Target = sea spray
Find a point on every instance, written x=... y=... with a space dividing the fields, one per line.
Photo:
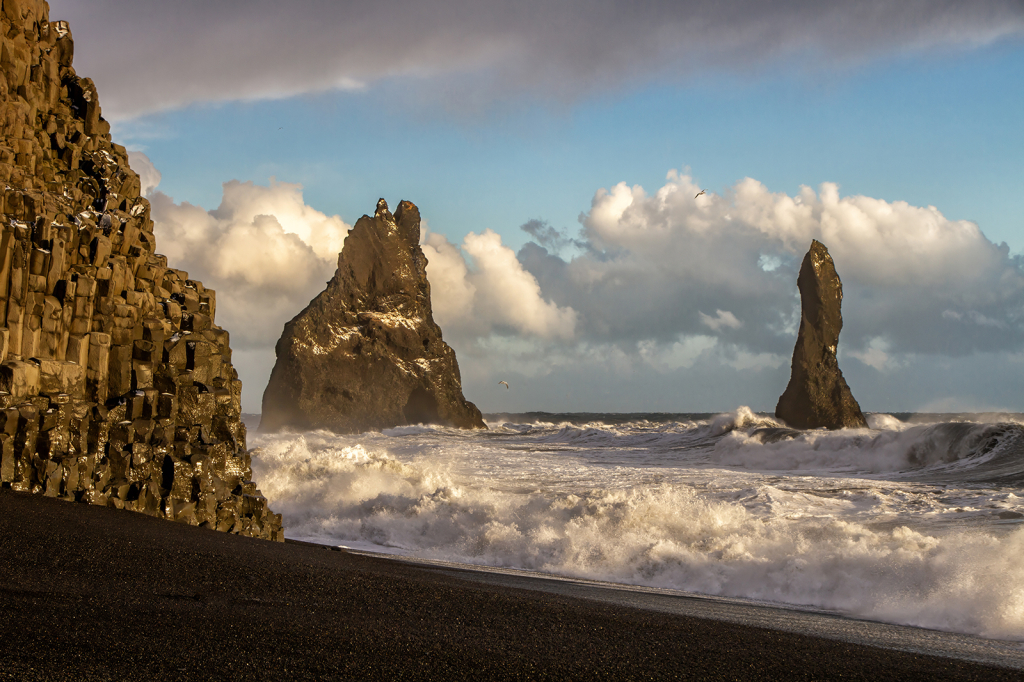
x=683 y=504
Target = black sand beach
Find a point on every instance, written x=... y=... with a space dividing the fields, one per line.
x=93 y=593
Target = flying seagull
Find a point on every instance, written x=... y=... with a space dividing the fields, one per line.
x=504 y=382
x=700 y=192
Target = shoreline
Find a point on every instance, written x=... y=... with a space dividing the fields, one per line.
x=778 y=616
x=96 y=593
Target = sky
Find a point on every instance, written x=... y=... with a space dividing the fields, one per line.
x=555 y=151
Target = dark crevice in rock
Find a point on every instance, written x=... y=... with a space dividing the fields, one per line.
x=421 y=407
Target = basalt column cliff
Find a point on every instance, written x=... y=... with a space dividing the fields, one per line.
x=116 y=385
x=817 y=394
x=365 y=354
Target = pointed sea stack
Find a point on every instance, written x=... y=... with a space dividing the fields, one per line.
x=366 y=354
x=817 y=394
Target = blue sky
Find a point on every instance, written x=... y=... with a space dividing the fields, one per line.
x=490 y=118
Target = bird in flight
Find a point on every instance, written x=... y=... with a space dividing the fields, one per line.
x=700 y=192
x=504 y=382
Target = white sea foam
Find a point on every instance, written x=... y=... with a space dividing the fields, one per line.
x=659 y=504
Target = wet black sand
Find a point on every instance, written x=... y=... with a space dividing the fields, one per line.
x=89 y=593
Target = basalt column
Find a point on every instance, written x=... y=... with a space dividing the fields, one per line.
x=116 y=384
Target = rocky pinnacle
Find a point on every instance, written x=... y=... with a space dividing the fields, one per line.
x=817 y=394
x=366 y=354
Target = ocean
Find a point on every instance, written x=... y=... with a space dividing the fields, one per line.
x=917 y=520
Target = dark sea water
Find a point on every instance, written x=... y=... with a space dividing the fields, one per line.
x=918 y=520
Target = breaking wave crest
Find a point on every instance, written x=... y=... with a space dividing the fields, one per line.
x=953 y=451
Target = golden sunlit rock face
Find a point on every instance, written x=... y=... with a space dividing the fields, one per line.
x=116 y=384
x=366 y=354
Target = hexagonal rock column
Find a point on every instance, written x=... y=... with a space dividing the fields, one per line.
x=116 y=384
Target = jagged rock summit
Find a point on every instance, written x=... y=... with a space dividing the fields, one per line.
x=817 y=394
x=116 y=385
x=366 y=354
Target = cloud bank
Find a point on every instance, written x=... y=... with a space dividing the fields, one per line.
x=677 y=299
x=264 y=251
x=658 y=291
x=727 y=265
x=473 y=53
x=496 y=296
x=267 y=254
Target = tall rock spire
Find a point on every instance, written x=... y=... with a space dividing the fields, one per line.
x=817 y=394
x=366 y=354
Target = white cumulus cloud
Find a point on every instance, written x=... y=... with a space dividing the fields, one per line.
x=875 y=354
x=627 y=321
x=655 y=262
x=264 y=251
x=722 y=318
x=495 y=293
x=148 y=174
x=267 y=254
